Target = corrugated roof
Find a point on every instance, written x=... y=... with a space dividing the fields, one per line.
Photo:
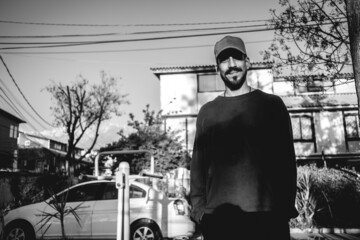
x=339 y=76
x=324 y=100
x=201 y=68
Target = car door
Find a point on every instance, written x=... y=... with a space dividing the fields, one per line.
x=104 y=220
x=82 y=199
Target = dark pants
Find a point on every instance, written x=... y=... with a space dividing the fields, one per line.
x=248 y=226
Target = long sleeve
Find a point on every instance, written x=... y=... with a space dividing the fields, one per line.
x=198 y=176
x=287 y=160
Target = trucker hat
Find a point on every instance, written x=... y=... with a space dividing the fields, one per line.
x=229 y=42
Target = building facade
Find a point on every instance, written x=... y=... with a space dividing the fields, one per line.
x=40 y=154
x=9 y=131
x=324 y=112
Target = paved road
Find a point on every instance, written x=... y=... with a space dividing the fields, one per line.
x=324 y=236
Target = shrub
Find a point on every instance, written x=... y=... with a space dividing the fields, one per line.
x=30 y=189
x=327 y=198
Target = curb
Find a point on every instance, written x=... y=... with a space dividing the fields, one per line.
x=326 y=230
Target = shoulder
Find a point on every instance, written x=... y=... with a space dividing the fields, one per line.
x=271 y=102
x=209 y=106
x=271 y=98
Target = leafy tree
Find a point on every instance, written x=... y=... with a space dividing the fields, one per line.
x=311 y=36
x=149 y=134
x=79 y=108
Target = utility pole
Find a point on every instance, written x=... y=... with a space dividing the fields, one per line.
x=353 y=18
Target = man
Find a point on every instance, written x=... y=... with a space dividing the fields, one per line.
x=243 y=170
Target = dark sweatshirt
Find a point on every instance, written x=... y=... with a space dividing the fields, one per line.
x=244 y=155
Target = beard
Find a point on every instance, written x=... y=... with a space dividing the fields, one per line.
x=235 y=84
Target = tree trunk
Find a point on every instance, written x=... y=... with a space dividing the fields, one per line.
x=353 y=12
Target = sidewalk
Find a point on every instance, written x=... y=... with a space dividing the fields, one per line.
x=310 y=236
x=326 y=233
x=324 y=236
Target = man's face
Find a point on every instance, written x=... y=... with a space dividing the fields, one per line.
x=233 y=66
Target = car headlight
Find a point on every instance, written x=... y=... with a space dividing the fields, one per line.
x=179 y=207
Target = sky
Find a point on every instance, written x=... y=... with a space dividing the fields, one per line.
x=130 y=61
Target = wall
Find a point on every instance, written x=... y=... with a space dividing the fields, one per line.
x=7 y=144
x=178 y=94
x=329 y=129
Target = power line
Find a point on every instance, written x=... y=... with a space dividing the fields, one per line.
x=17 y=86
x=128 y=25
x=127 y=50
x=138 y=33
x=11 y=104
x=134 y=40
x=117 y=34
x=19 y=104
x=24 y=118
x=83 y=43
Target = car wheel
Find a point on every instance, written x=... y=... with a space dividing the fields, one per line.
x=19 y=231
x=143 y=230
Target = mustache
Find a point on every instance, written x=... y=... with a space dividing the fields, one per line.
x=230 y=69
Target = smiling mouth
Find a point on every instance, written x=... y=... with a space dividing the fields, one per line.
x=233 y=71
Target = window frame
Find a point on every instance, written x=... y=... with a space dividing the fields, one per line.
x=308 y=116
x=217 y=79
x=347 y=137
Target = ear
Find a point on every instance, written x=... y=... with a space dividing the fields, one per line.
x=248 y=64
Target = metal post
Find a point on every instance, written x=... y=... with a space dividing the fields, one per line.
x=96 y=163
x=123 y=217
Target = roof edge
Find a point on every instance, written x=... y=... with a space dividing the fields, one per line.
x=202 y=68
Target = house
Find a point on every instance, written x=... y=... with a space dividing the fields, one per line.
x=324 y=112
x=39 y=154
x=9 y=130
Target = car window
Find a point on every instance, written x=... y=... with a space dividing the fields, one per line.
x=83 y=193
x=136 y=192
x=111 y=192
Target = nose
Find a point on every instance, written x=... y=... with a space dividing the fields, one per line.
x=231 y=61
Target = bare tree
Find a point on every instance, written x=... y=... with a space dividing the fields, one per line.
x=317 y=36
x=79 y=108
x=311 y=36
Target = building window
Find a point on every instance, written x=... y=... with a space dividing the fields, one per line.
x=14 y=131
x=57 y=146
x=210 y=83
x=352 y=126
x=11 y=131
x=314 y=85
x=303 y=129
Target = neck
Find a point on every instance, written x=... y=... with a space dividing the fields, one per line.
x=232 y=93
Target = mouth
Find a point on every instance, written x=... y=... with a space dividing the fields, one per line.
x=233 y=71
x=233 y=74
